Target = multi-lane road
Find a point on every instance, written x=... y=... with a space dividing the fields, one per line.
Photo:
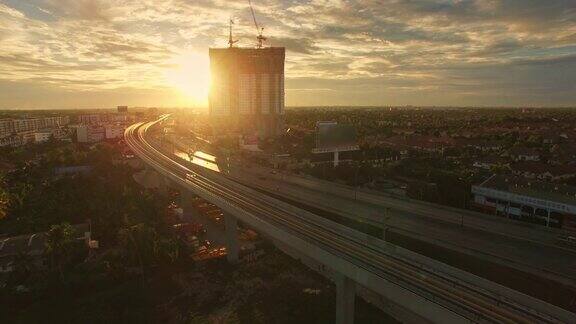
x=520 y=245
x=428 y=288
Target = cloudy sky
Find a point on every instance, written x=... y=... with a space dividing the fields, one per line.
x=103 y=53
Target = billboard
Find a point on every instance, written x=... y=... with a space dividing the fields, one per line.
x=331 y=137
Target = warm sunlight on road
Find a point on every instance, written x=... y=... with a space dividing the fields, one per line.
x=189 y=73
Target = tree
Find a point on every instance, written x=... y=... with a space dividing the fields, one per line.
x=167 y=250
x=24 y=266
x=59 y=242
x=132 y=241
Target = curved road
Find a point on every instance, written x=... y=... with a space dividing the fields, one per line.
x=449 y=296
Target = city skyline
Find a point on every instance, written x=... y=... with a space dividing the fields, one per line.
x=90 y=54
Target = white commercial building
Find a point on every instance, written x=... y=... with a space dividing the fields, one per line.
x=114 y=131
x=41 y=137
x=548 y=204
x=90 y=134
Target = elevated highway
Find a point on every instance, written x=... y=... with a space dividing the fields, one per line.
x=477 y=238
x=427 y=289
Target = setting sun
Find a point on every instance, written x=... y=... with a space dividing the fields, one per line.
x=190 y=75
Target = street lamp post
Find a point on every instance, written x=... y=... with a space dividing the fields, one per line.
x=385 y=220
x=356 y=183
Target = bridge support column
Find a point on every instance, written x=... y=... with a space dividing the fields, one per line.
x=232 y=247
x=336 y=158
x=188 y=210
x=164 y=185
x=345 y=295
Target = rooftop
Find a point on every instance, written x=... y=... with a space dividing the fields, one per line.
x=535 y=189
x=542 y=168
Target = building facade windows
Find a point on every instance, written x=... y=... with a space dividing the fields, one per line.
x=247 y=94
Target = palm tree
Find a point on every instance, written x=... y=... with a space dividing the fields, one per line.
x=137 y=243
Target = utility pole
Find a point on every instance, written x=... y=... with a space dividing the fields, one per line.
x=356 y=182
x=385 y=220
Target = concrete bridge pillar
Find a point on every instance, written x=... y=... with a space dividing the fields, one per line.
x=345 y=297
x=164 y=185
x=188 y=210
x=232 y=247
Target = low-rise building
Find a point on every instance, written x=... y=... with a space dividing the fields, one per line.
x=16 y=132
x=524 y=154
x=60 y=133
x=30 y=124
x=28 y=137
x=484 y=145
x=89 y=119
x=90 y=133
x=41 y=137
x=114 y=131
x=13 y=140
x=6 y=127
x=490 y=162
x=543 y=171
x=543 y=203
x=103 y=118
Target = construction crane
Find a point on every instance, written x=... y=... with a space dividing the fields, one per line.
x=231 y=41
x=259 y=29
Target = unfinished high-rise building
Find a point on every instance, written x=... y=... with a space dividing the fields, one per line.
x=247 y=92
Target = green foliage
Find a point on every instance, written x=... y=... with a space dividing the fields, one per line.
x=438 y=181
x=107 y=195
x=125 y=219
x=4 y=197
x=351 y=174
x=142 y=246
x=59 y=239
x=59 y=246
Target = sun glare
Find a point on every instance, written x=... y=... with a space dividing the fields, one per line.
x=190 y=75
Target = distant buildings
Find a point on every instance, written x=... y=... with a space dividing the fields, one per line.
x=16 y=132
x=96 y=127
x=6 y=127
x=247 y=94
x=114 y=131
x=90 y=133
x=543 y=171
x=524 y=154
x=104 y=118
x=490 y=162
x=41 y=137
x=91 y=119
